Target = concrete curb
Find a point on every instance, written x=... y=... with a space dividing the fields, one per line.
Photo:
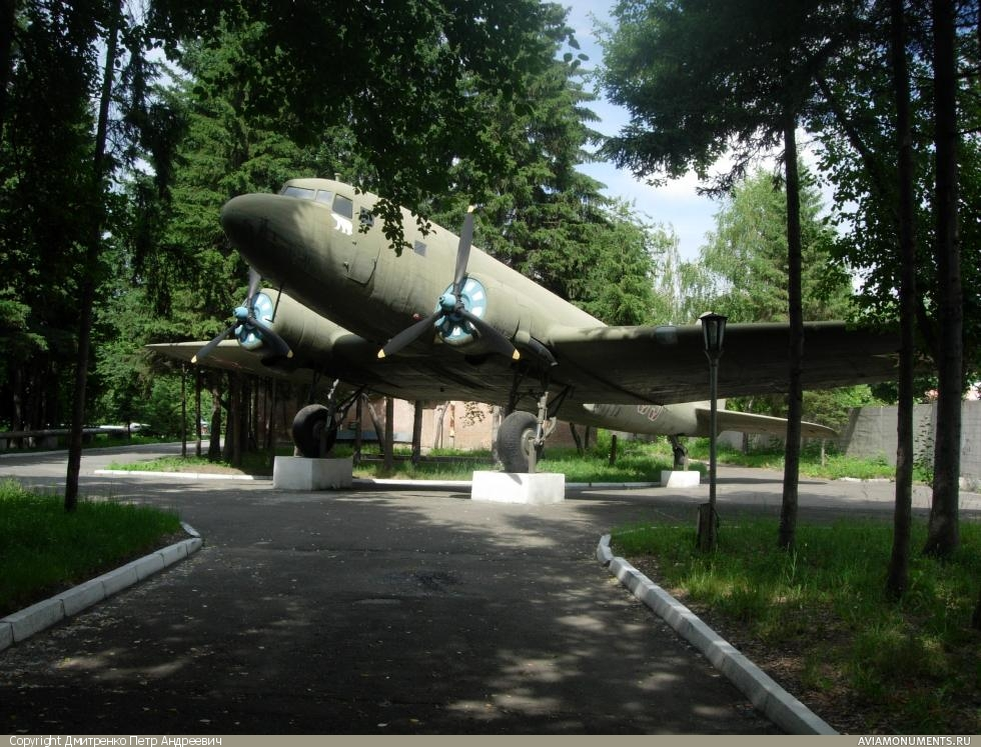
x=21 y=625
x=763 y=692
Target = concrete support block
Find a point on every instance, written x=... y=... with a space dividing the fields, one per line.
x=301 y=473
x=6 y=635
x=672 y=478
x=518 y=487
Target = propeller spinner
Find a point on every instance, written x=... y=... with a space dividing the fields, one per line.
x=455 y=311
x=250 y=324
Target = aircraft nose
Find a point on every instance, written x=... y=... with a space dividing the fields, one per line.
x=262 y=227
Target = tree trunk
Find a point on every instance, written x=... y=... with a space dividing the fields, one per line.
x=183 y=412
x=795 y=396
x=214 y=442
x=197 y=411
x=389 y=463
x=8 y=19
x=897 y=577
x=417 y=433
x=89 y=271
x=943 y=531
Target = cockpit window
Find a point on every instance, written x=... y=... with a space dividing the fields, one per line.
x=344 y=207
x=325 y=196
x=301 y=192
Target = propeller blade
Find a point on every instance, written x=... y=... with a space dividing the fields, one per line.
x=491 y=336
x=209 y=348
x=254 y=279
x=409 y=335
x=463 y=252
x=276 y=343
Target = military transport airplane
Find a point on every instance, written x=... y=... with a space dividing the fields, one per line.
x=445 y=321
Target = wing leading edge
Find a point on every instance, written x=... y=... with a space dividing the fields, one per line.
x=667 y=365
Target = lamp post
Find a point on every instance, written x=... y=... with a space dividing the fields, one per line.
x=713 y=332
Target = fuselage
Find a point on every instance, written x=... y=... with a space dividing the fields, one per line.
x=317 y=239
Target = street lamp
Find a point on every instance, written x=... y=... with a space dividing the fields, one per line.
x=713 y=332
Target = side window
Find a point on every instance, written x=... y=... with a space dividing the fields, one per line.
x=325 y=196
x=419 y=248
x=366 y=218
x=301 y=192
x=344 y=207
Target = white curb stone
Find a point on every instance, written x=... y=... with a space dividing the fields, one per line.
x=25 y=623
x=37 y=617
x=82 y=596
x=764 y=693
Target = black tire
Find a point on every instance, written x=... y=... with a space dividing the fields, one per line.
x=308 y=431
x=515 y=440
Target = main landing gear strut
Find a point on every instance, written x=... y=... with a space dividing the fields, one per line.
x=521 y=437
x=680 y=453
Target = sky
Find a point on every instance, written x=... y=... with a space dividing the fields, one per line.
x=677 y=203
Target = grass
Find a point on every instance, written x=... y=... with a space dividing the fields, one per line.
x=636 y=462
x=43 y=549
x=820 y=615
x=830 y=466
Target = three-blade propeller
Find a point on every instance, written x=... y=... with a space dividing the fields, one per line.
x=247 y=321
x=451 y=309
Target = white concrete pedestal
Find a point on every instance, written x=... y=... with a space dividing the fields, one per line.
x=679 y=478
x=302 y=473
x=518 y=487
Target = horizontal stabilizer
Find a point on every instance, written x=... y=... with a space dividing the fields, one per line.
x=747 y=422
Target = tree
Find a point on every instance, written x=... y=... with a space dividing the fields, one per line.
x=897 y=576
x=743 y=264
x=942 y=533
x=703 y=78
x=859 y=132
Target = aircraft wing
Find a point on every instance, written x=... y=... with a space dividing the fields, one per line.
x=667 y=365
x=614 y=365
x=230 y=356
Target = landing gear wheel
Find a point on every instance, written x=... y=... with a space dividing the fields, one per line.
x=516 y=440
x=311 y=433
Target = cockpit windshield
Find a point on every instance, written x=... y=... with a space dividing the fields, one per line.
x=342 y=207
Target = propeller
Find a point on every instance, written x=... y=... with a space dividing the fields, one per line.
x=451 y=309
x=248 y=321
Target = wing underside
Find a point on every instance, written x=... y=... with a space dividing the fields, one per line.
x=662 y=365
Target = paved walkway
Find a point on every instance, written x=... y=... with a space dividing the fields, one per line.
x=377 y=611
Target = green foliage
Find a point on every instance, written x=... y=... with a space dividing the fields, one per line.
x=745 y=257
x=702 y=80
x=910 y=667
x=43 y=549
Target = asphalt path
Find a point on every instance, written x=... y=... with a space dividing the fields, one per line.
x=386 y=611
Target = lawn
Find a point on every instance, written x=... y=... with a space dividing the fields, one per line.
x=636 y=461
x=43 y=549
x=818 y=619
